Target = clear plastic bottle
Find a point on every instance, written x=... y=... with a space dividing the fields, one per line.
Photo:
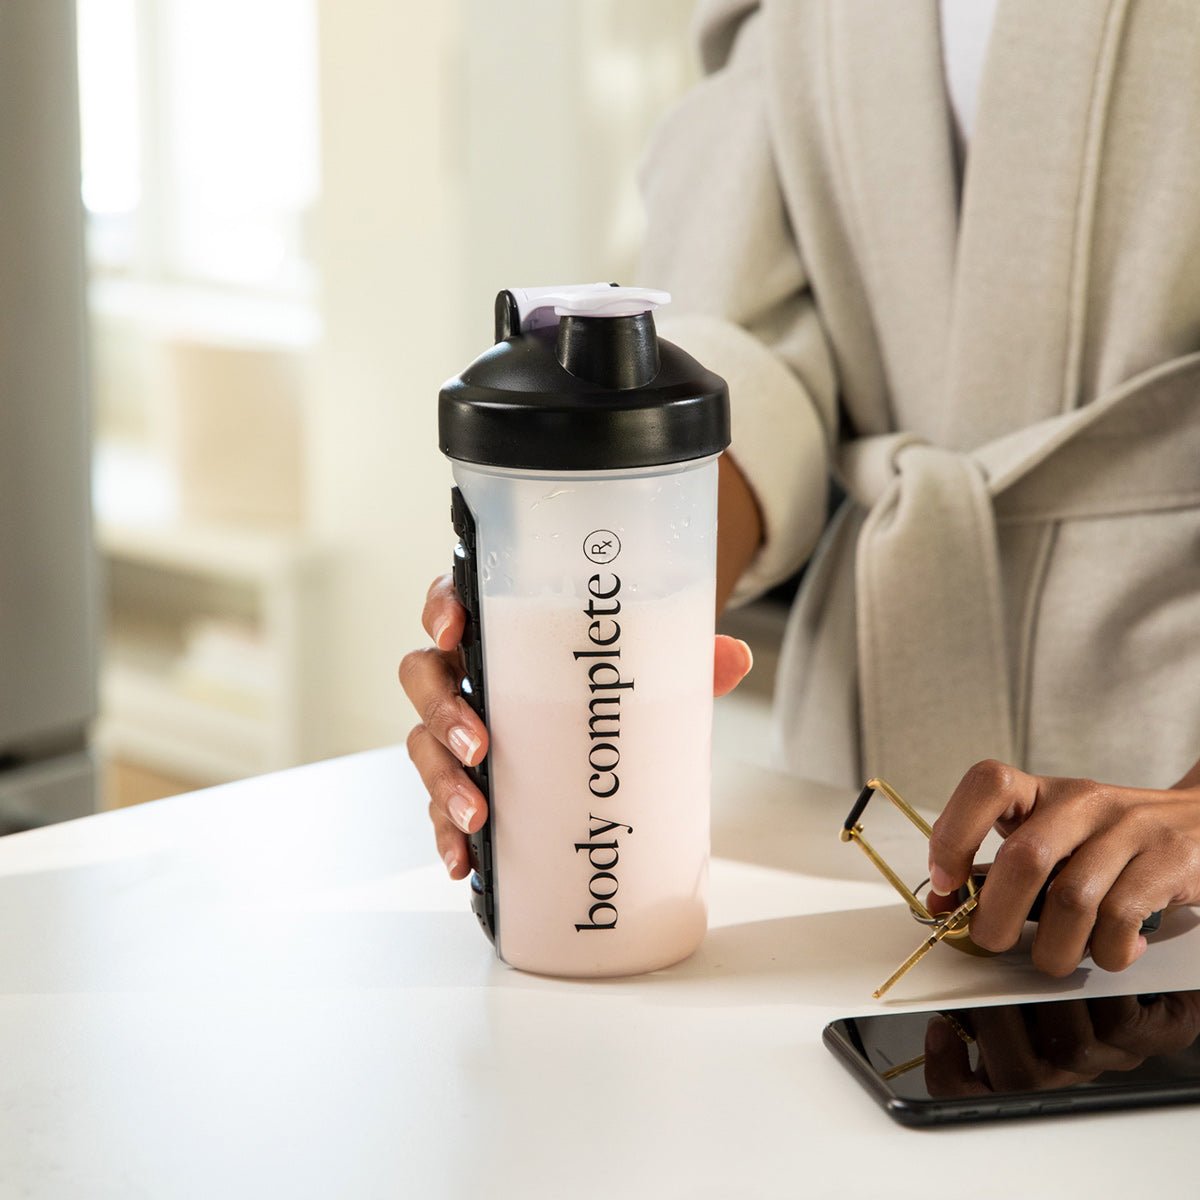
x=585 y=457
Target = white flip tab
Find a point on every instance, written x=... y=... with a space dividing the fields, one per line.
x=539 y=307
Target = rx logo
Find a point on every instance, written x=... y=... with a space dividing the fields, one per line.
x=602 y=545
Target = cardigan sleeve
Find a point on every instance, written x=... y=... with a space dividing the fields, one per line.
x=719 y=239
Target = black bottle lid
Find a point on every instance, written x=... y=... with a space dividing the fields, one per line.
x=579 y=380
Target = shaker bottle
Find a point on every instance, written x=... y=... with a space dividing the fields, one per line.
x=584 y=451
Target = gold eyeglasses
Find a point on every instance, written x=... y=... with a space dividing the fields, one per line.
x=952 y=926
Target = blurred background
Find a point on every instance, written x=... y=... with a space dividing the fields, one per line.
x=296 y=216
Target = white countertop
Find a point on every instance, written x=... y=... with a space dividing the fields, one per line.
x=271 y=989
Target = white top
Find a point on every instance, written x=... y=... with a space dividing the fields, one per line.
x=966 y=28
x=542 y=306
x=272 y=989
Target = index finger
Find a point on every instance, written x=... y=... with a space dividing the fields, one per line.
x=989 y=791
x=443 y=615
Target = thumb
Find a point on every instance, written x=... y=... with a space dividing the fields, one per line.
x=732 y=661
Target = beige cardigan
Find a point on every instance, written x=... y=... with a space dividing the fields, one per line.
x=1009 y=391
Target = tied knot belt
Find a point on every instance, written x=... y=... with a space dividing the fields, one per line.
x=934 y=669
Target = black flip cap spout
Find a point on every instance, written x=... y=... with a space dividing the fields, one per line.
x=610 y=352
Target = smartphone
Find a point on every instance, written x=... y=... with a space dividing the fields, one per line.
x=946 y=1066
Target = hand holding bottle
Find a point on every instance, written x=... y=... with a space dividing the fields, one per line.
x=450 y=736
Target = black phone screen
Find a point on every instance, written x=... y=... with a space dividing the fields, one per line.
x=959 y=1064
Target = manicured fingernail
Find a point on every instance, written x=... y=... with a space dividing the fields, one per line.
x=749 y=655
x=1142 y=944
x=451 y=861
x=939 y=881
x=462 y=810
x=464 y=744
x=443 y=625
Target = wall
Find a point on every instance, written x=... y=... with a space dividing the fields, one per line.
x=466 y=146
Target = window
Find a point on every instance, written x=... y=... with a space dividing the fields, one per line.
x=200 y=140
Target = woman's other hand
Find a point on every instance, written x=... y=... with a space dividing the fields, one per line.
x=1125 y=853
